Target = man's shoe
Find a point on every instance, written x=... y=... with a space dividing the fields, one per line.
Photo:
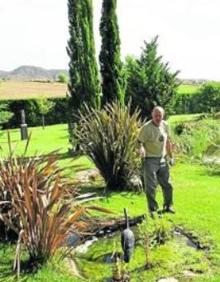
x=169 y=210
x=152 y=214
x=155 y=214
x=160 y=212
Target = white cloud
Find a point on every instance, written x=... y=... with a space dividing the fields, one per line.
x=35 y=32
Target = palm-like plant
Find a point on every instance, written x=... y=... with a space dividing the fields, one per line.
x=37 y=192
x=109 y=138
x=38 y=208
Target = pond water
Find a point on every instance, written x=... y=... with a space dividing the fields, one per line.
x=97 y=256
x=113 y=240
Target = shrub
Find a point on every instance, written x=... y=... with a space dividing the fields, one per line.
x=37 y=194
x=184 y=103
x=63 y=78
x=209 y=97
x=109 y=138
x=205 y=100
x=145 y=234
x=195 y=137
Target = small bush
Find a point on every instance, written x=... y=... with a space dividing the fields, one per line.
x=145 y=235
x=63 y=78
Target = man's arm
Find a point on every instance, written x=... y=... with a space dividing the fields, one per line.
x=169 y=148
x=141 y=149
x=169 y=151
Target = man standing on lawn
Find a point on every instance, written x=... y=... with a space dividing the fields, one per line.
x=155 y=148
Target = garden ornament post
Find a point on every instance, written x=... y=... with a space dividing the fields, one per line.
x=24 y=130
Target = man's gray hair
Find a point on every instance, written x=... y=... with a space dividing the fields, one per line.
x=159 y=109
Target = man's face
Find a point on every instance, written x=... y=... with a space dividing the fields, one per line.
x=157 y=117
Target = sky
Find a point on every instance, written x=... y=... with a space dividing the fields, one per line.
x=35 y=32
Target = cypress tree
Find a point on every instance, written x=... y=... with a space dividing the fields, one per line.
x=83 y=84
x=110 y=62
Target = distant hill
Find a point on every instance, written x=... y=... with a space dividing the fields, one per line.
x=28 y=73
x=193 y=81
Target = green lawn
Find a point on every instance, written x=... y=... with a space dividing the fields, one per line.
x=43 y=141
x=197 y=198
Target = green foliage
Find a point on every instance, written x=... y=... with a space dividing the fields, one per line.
x=44 y=106
x=194 y=138
x=208 y=99
x=149 y=81
x=84 y=84
x=63 y=78
x=144 y=232
x=153 y=233
x=205 y=99
x=184 y=103
x=109 y=138
x=162 y=231
x=5 y=114
x=110 y=62
x=58 y=113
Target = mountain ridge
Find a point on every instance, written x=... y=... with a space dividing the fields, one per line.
x=28 y=72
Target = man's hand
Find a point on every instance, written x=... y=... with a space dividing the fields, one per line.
x=171 y=162
x=142 y=152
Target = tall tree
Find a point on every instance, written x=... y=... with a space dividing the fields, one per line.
x=84 y=86
x=149 y=80
x=110 y=62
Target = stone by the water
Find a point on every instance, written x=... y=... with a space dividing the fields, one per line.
x=168 y=279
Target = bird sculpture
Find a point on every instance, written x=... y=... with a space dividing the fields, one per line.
x=127 y=239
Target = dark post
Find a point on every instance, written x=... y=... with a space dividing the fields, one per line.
x=24 y=131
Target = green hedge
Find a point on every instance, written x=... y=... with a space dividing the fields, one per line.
x=59 y=114
x=206 y=100
x=184 y=103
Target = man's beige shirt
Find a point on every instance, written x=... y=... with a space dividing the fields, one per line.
x=154 y=138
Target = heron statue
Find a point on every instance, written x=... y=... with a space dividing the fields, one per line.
x=127 y=239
